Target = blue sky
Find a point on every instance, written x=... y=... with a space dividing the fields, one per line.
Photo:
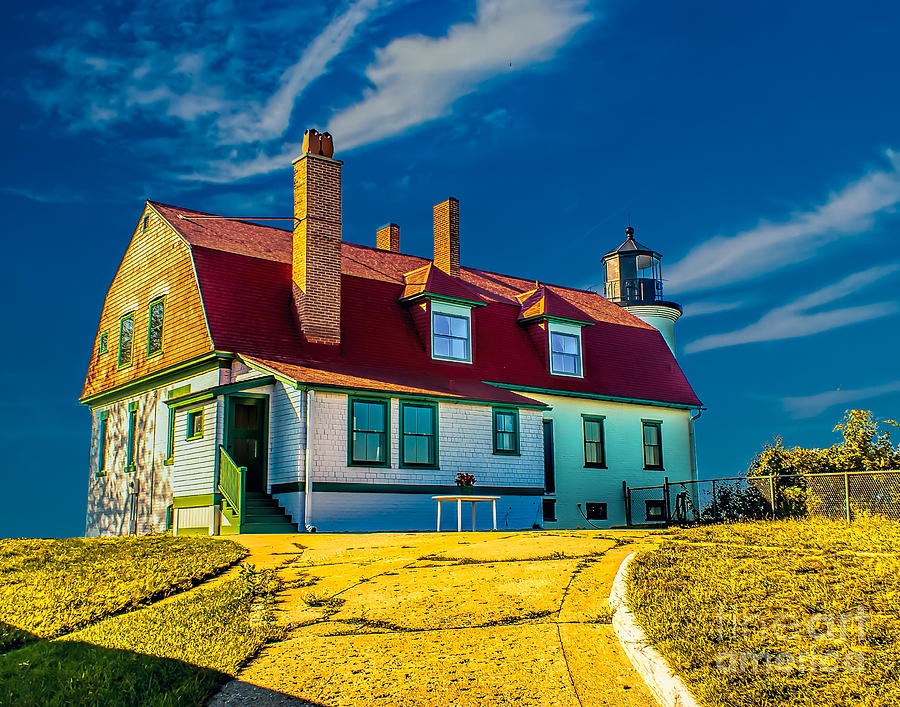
x=755 y=145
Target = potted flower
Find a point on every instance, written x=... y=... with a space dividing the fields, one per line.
x=466 y=482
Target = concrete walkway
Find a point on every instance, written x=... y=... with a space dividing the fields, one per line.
x=443 y=619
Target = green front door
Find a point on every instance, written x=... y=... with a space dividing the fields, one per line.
x=246 y=436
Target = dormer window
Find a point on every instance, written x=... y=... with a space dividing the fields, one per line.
x=565 y=349
x=451 y=332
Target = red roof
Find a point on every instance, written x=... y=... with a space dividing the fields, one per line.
x=431 y=280
x=244 y=274
x=544 y=302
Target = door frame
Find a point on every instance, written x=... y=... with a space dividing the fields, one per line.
x=264 y=428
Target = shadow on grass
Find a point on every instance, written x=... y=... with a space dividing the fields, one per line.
x=62 y=672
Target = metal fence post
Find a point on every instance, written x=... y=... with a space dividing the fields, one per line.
x=715 y=507
x=772 y=493
x=627 y=503
x=847 y=496
x=666 y=499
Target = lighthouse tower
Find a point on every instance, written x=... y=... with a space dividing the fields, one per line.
x=633 y=280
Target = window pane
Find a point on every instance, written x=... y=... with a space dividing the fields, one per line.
x=591 y=431
x=592 y=453
x=564 y=343
x=506 y=441
x=565 y=363
x=651 y=434
x=374 y=447
x=651 y=456
x=441 y=324
x=459 y=327
x=425 y=417
x=458 y=348
x=505 y=422
x=441 y=346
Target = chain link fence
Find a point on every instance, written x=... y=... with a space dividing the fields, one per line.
x=837 y=495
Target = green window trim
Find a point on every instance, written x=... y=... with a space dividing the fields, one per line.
x=503 y=419
x=102 y=442
x=125 y=362
x=161 y=303
x=170 y=439
x=653 y=450
x=416 y=435
x=104 y=342
x=132 y=435
x=370 y=435
x=193 y=430
x=594 y=436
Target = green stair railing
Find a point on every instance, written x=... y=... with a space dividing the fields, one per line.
x=231 y=481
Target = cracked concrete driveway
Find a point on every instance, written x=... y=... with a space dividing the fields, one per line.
x=443 y=619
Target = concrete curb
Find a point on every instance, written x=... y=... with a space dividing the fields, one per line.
x=668 y=688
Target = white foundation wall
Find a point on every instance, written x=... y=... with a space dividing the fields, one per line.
x=372 y=512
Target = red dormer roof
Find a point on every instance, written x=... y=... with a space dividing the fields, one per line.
x=544 y=302
x=244 y=274
x=430 y=280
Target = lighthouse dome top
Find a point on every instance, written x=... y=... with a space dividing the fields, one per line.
x=630 y=245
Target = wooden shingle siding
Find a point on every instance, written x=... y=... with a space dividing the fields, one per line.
x=287 y=435
x=157 y=263
x=108 y=509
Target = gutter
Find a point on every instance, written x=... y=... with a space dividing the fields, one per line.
x=307 y=486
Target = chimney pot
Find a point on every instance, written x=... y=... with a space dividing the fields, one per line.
x=388 y=237
x=446 y=236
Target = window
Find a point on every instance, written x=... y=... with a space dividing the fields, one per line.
x=145 y=223
x=104 y=342
x=194 y=426
x=594 y=448
x=170 y=440
x=368 y=432
x=596 y=511
x=418 y=436
x=126 y=340
x=132 y=434
x=652 y=444
x=565 y=349
x=549 y=505
x=451 y=329
x=155 y=327
x=102 y=443
x=655 y=509
x=506 y=431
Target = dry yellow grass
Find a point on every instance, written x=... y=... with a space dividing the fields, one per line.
x=461 y=619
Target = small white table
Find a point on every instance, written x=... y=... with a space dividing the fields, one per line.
x=459 y=501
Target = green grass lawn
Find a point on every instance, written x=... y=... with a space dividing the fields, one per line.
x=51 y=587
x=175 y=652
x=92 y=621
x=799 y=603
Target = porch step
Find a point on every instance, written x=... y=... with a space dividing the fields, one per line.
x=262 y=514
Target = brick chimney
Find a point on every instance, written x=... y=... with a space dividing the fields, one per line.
x=388 y=237
x=446 y=236
x=316 y=262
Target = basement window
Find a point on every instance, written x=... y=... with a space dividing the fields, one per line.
x=655 y=509
x=565 y=350
x=549 y=507
x=451 y=332
x=596 y=511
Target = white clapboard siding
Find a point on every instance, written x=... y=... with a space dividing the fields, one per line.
x=287 y=435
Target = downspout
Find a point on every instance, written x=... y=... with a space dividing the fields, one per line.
x=692 y=443
x=307 y=485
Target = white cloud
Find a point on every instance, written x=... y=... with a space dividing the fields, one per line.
x=796 y=319
x=705 y=307
x=722 y=260
x=416 y=79
x=811 y=405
